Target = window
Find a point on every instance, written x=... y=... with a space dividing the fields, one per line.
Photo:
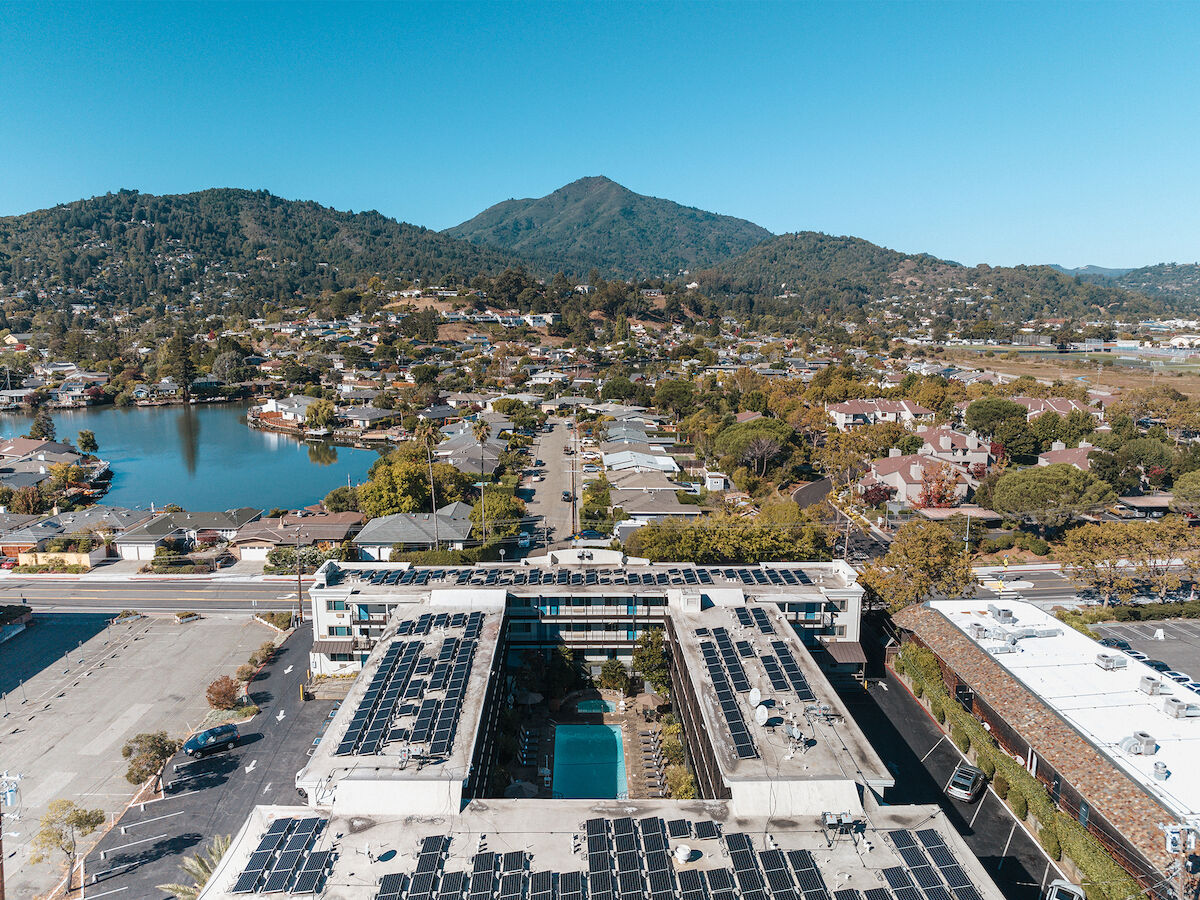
x=1085 y=812
x=339 y=631
x=340 y=657
x=335 y=605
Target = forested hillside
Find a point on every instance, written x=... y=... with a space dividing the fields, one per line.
x=133 y=246
x=597 y=223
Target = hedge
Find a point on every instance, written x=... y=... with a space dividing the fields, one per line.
x=1103 y=877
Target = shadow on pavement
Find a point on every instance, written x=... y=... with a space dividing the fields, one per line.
x=47 y=638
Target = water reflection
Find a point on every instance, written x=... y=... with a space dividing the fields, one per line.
x=189 y=437
x=322 y=453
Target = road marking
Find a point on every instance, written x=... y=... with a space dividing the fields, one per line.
x=934 y=747
x=883 y=685
x=104 y=853
x=288 y=670
x=267 y=788
x=250 y=768
x=142 y=806
x=978 y=809
x=107 y=893
x=280 y=717
x=1045 y=875
x=125 y=828
x=1006 y=845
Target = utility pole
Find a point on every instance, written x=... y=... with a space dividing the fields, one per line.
x=299 y=587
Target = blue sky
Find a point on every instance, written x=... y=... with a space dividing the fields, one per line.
x=982 y=133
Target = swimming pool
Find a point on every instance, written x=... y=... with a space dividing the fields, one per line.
x=589 y=762
x=595 y=706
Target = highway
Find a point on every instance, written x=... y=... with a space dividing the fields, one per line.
x=84 y=595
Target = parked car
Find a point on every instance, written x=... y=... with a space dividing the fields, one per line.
x=1136 y=655
x=1178 y=677
x=7 y=563
x=966 y=783
x=566 y=495
x=211 y=740
x=537 y=463
x=590 y=535
x=1113 y=642
x=1157 y=665
x=523 y=539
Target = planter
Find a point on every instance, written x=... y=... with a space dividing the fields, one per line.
x=180 y=618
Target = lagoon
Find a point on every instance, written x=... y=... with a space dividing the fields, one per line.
x=204 y=457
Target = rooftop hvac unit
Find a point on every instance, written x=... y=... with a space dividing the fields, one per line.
x=1161 y=772
x=978 y=631
x=1047 y=631
x=1002 y=648
x=1178 y=708
x=1111 y=661
x=1140 y=743
x=1149 y=685
x=1004 y=616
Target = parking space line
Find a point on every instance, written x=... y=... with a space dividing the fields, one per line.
x=978 y=810
x=104 y=853
x=934 y=747
x=107 y=893
x=125 y=828
x=1007 y=844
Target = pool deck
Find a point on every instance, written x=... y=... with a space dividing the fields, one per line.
x=637 y=776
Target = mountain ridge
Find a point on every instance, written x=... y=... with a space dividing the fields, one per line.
x=594 y=222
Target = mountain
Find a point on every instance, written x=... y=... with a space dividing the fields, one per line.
x=818 y=270
x=1178 y=282
x=596 y=223
x=250 y=243
x=1091 y=271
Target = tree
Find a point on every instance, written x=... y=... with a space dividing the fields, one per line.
x=924 y=559
x=1160 y=545
x=1098 y=556
x=341 y=499
x=400 y=484
x=1186 y=498
x=87 y=442
x=61 y=827
x=1015 y=438
x=228 y=366
x=320 y=414
x=223 y=693
x=177 y=361
x=760 y=451
x=426 y=438
x=147 y=753
x=614 y=676
x=42 y=428
x=199 y=867
x=984 y=414
x=1050 y=495
x=938 y=483
x=482 y=431
x=650 y=661
x=507 y=512
x=675 y=395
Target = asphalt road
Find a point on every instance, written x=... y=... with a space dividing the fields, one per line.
x=922 y=760
x=85 y=596
x=546 y=499
x=213 y=796
x=813 y=492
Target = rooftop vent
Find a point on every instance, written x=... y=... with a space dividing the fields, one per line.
x=1111 y=661
x=1003 y=616
x=1150 y=685
x=1178 y=708
x=1140 y=743
x=1161 y=772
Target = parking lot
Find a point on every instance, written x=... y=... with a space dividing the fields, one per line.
x=213 y=795
x=64 y=727
x=1179 y=647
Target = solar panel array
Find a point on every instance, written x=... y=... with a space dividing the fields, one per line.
x=492 y=576
x=933 y=867
x=284 y=860
x=396 y=693
x=742 y=742
x=630 y=859
x=791 y=669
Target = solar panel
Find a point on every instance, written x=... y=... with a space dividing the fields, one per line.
x=541 y=886
x=679 y=828
x=720 y=880
x=390 y=887
x=847 y=894
x=312 y=876
x=513 y=861
x=706 y=830
x=878 y=894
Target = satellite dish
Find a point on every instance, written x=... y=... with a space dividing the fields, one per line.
x=760 y=715
x=755 y=696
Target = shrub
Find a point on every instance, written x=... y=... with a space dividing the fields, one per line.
x=1048 y=835
x=1000 y=786
x=939 y=713
x=147 y=753
x=1020 y=806
x=223 y=693
x=918 y=689
x=961 y=741
x=245 y=672
x=986 y=766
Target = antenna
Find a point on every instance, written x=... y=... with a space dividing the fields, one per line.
x=760 y=715
x=755 y=696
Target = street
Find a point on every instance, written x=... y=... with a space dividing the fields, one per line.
x=214 y=795
x=93 y=596
x=545 y=499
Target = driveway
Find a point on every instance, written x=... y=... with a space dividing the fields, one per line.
x=922 y=760
x=214 y=795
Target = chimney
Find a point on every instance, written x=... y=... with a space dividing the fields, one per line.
x=944 y=441
x=1058 y=445
x=894 y=452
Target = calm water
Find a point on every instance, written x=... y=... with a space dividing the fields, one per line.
x=589 y=762
x=204 y=457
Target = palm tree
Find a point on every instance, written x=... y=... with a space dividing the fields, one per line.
x=482 y=431
x=425 y=437
x=200 y=868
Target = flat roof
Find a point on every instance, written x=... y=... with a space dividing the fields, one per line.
x=545 y=840
x=421 y=647
x=1104 y=706
x=831 y=746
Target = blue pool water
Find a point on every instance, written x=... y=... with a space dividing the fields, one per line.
x=589 y=762
x=595 y=706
